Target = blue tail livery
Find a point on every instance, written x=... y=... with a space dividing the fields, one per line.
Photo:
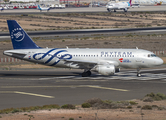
x=19 y=37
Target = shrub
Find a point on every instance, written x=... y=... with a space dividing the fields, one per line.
x=138 y=106
x=133 y=103
x=148 y=99
x=129 y=35
x=129 y=107
x=157 y=97
x=68 y=106
x=52 y=106
x=71 y=118
x=147 y=107
x=155 y=106
x=15 y=110
x=108 y=101
x=162 y=96
x=94 y=101
x=161 y=108
x=86 y=105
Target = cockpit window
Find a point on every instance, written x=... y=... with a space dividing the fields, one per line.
x=152 y=55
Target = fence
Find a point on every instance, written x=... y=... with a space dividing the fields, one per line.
x=6 y=60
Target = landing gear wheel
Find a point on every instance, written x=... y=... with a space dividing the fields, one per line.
x=139 y=75
x=138 y=72
x=86 y=74
x=89 y=73
x=114 y=10
x=108 y=10
x=125 y=10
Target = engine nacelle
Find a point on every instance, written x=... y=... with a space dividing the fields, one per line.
x=106 y=69
x=117 y=70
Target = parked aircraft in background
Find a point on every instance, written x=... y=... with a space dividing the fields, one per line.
x=104 y=61
x=1 y=8
x=43 y=8
x=119 y=6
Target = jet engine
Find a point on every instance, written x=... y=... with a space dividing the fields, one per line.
x=106 y=69
x=117 y=70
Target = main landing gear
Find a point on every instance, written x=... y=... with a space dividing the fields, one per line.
x=138 y=72
x=86 y=73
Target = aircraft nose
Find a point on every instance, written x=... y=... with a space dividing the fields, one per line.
x=159 y=61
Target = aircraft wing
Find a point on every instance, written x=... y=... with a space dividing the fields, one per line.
x=90 y=64
x=81 y=63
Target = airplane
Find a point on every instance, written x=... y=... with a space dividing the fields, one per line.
x=119 y=6
x=1 y=8
x=43 y=8
x=104 y=61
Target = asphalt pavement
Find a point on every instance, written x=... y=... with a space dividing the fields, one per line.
x=35 y=87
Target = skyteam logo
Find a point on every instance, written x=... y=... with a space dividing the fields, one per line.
x=124 y=60
x=52 y=56
x=17 y=34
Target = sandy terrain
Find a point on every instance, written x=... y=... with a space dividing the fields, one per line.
x=64 y=21
x=135 y=113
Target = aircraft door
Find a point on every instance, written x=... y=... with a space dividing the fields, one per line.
x=138 y=59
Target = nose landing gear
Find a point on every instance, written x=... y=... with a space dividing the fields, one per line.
x=138 y=72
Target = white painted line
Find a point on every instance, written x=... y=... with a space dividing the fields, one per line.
x=25 y=93
x=38 y=95
x=109 y=88
x=71 y=86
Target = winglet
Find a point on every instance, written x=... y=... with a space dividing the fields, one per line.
x=19 y=37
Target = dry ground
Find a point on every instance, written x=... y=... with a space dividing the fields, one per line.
x=57 y=21
x=79 y=113
x=152 y=42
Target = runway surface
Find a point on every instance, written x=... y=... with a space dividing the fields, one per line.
x=24 y=88
x=81 y=10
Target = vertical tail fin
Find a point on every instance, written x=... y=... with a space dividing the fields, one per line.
x=130 y=2
x=19 y=37
x=39 y=7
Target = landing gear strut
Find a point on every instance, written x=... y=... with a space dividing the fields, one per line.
x=138 y=72
x=86 y=73
x=108 y=10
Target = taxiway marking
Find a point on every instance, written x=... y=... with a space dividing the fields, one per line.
x=25 y=93
x=109 y=88
x=71 y=86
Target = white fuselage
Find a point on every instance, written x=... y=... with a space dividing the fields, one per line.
x=44 y=8
x=73 y=57
x=1 y=8
x=118 y=6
